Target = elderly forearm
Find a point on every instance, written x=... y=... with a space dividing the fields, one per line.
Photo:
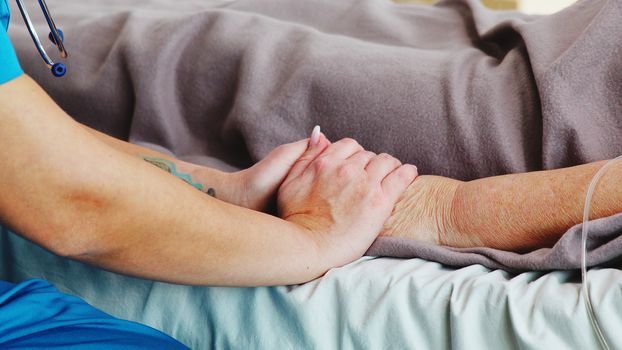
x=532 y=210
x=75 y=195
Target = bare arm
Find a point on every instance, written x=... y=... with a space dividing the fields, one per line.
x=73 y=194
x=254 y=188
x=516 y=212
x=209 y=178
x=532 y=210
x=77 y=196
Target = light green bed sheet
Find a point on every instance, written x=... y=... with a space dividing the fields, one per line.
x=373 y=303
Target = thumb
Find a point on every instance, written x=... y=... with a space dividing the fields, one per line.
x=313 y=150
x=282 y=158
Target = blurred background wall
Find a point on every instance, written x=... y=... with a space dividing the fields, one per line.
x=543 y=6
x=527 y=6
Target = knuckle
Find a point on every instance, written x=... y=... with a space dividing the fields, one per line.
x=389 y=158
x=406 y=172
x=403 y=174
x=384 y=156
x=349 y=142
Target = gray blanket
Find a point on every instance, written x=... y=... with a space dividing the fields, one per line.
x=458 y=90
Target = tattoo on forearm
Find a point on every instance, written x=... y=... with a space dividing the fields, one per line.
x=170 y=168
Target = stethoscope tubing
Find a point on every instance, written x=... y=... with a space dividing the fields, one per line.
x=55 y=35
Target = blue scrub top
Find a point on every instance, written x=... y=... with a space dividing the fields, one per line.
x=9 y=66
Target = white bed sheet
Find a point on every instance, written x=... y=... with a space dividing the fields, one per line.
x=373 y=303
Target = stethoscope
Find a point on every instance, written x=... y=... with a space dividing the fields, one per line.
x=56 y=36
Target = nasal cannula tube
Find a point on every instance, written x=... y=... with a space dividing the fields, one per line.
x=584 y=232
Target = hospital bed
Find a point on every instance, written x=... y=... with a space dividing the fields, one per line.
x=372 y=303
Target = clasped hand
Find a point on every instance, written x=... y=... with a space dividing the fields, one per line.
x=342 y=195
x=337 y=193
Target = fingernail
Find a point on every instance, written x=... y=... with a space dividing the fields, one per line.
x=315 y=136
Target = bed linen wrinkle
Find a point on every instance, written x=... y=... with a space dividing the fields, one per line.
x=427 y=305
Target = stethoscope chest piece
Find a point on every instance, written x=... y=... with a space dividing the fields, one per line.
x=56 y=36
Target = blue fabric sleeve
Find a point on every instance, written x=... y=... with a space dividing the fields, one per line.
x=9 y=65
x=35 y=315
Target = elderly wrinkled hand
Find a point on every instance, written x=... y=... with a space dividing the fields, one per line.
x=342 y=195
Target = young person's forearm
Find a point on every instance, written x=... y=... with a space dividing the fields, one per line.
x=183 y=237
x=532 y=210
x=77 y=196
x=208 y=181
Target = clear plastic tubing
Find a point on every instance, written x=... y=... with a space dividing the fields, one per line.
x=584 y=233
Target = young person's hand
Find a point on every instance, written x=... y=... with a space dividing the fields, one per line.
x=258 y=184
x=342 y=195
x=253 y=188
